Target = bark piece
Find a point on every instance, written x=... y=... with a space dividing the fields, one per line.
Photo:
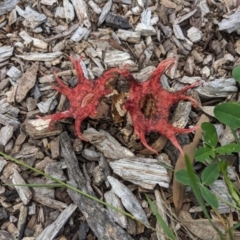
x=26 y=82
x=22 y=220
x=129 y=36
x=9 y=120
x=117 y=21
x=144 y=172
x=106 y=144
x=111 y=198
x=5 y=52
x=51 y=231
x=194 y=34
x=38 y=128
x=232 y=23
x=104 y=12
x=4 y=235
x=81 y=9
x=129 y=201
x=6 y=133
x=220 y=188
x=38 y=43
x=96 y=216
x=32 y=18
x=49 y=202
x=68 y=10
x=162 y=211
x=24 y=192
x=218 y=88
x=7 y=6
x=45 y=57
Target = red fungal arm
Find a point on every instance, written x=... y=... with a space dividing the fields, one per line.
x=151 y=93
x=83 y=98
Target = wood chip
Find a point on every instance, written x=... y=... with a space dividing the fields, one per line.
x=26 y=82
x=143 y=172
x=106 y=144
x=6 y=133
x=112 y=199
x=81 y=10
x=129 y=201
x=104 y=12
x=51 y=231
x=39 y=128
x=24 y=192
x=40 y=56
x=96 y=216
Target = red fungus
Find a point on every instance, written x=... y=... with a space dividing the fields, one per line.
x=83 y=98
x=158 y=101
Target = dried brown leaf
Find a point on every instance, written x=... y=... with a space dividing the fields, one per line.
x=178 y=188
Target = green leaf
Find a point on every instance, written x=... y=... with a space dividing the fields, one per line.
x=204 y=153
x=228 y=113
x=236 y=73
x=198 y=195
x=210 y=174
x=209 y=134
x=209 y=197
x=182 y=177
x=160 y=220
x=229 y=148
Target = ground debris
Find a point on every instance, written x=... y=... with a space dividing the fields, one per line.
x=37 y=39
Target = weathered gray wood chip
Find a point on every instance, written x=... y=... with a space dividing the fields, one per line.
x=5 y=119
x=81 y=9
x=7 y=6
x=6 y=133
x=111 y=198
x=5 y=52
x=231 y=23
x=144 y=172
x=217 y=88
x=32 y=18
x=49 y=202
x=45 y=57
x=26 y=82
x=106 y=144
x=129 y=201
x=104 y=13
x=24 y=192
x=39 y=128
x=51 y=231
x=96 y=216
x=219 y=187
x=22 y=219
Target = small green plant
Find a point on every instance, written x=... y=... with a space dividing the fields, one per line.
x=210 y=154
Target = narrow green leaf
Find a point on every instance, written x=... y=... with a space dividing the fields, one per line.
x=235 y=226
x=236 y=73
x=209 y=134
x=209 y=197
x=228 y=113
x=160 y=220
x=204 y=153
x=210 y=174
x=229 y=148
